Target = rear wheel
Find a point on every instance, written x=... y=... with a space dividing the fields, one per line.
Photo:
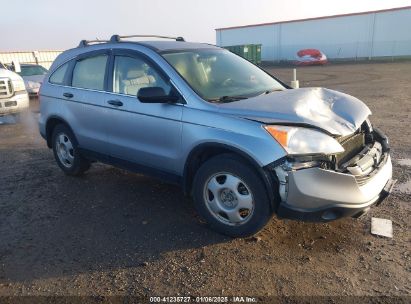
x=231 y=196
x=66 y=152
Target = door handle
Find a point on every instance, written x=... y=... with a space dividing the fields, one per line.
x=116 y=103
x=68 y=95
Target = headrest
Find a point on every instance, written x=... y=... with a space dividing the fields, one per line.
x=135 y=74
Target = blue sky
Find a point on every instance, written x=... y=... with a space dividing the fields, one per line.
x=57 y=24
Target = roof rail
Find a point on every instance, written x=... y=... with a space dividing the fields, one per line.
x=84 y=43
x=117 y=38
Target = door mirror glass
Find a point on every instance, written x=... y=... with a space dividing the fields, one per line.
x=155 y=95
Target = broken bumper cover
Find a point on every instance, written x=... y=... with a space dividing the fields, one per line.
x=316 y=194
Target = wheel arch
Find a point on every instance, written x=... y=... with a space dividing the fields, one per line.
x=51 y=123
x=206 y=151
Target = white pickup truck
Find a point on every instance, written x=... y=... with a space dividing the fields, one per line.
x=13 y=95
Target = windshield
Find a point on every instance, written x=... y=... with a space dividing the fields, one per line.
x=31 y=70
x=221 y=76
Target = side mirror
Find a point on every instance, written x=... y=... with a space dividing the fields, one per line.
x=155 y=95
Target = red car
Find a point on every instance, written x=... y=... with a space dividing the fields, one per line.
x=311 y=57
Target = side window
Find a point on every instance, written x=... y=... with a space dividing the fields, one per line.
x=58 y=76
x=89 y=73
x=131 y=74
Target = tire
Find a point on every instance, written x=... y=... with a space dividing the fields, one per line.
x=65 y=151
x=231 y=197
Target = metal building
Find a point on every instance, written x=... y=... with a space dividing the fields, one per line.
x=367 y=35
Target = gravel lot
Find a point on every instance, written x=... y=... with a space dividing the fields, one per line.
x=112 y=232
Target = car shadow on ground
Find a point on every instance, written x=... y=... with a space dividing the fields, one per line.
x=8 y=119
x=54 y=225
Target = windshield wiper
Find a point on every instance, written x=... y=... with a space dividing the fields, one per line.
x=227 y=98
x=270 y=91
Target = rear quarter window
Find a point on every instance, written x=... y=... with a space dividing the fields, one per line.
x=58 y=75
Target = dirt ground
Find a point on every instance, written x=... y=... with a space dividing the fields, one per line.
x=112 y=232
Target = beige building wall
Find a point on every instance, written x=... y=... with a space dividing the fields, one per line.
x=44 y=58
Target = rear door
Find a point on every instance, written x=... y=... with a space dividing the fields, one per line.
x=86 y=96
x=147 y=134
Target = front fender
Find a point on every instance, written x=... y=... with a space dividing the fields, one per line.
x=248 y=137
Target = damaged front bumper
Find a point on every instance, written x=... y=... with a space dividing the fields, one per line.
x=318 y=194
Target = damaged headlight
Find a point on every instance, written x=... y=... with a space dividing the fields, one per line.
x=297 y=141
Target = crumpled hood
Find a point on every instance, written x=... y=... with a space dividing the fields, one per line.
x=335 y=112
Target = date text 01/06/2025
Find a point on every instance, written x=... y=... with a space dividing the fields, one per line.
x=200 y=299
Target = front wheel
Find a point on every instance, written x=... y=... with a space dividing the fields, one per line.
x=66 y=152
x=231 y=196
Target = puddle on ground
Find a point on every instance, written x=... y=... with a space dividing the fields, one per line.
x=404 y=187
x=25 y=118
x=7 y=120
x=404 y=162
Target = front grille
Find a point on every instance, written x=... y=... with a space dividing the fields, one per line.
x=352 y=145
x=363 y=155
x=6 y=88
x=10 y=86
x=3 y=88
x=363 y=179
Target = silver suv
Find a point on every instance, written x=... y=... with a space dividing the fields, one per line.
x=240 y=141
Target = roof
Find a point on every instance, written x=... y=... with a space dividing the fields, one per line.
x=156 y=46
x=314 y=18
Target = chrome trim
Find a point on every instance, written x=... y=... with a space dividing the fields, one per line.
x=8 y=90
x=97 y=91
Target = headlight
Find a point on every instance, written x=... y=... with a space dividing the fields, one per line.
x=296 y=140
x=18 y=85
x=33 y=85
